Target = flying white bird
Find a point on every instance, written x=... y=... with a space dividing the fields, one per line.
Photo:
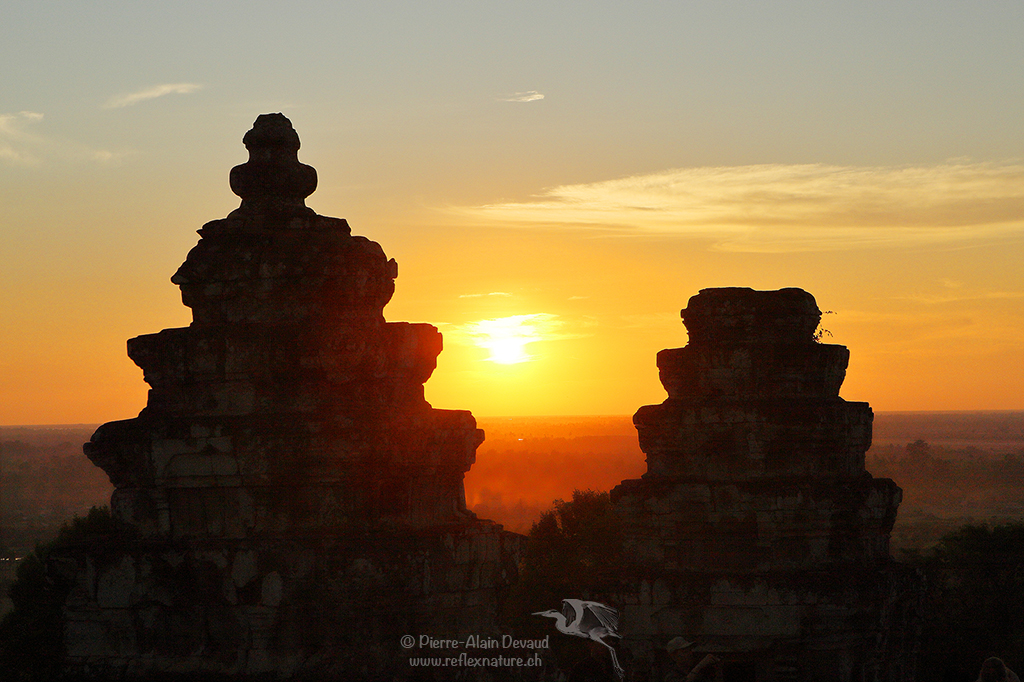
x=590 y=620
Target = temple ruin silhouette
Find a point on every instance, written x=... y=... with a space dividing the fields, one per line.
x=296 y=504
x=291 y=506
x=756 y=529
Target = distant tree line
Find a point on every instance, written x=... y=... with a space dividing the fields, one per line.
x=944 y=489
x=920 y=464
x=41 y=487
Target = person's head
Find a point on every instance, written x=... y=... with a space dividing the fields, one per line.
x=993 y=670
x=681 y=651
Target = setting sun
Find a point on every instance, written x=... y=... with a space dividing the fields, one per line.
x=506 y=337
x=508 y=351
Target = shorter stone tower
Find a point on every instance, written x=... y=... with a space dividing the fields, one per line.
x=292 y=505
x=756 y=530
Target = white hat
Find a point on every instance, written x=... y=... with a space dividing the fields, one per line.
x=677 y=644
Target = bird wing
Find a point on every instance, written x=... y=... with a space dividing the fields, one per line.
x=573 y=610
x=606 y=617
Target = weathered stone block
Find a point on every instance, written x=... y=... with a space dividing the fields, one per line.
x=115 y=584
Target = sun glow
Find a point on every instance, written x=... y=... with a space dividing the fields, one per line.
x=507 y=351
x=506 y=337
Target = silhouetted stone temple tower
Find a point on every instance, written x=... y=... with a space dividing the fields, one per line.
x=757 y=531
x=293 y=504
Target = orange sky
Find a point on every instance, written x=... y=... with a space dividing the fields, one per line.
x=579 y=174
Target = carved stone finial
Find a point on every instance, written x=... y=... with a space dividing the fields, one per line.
x=273 y=180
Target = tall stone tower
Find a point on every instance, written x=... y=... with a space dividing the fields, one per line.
x=293 y=504
x=756 y=531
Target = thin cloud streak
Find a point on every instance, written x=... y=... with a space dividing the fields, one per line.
x=16 y=144
x=20 y=147
x=537 y=326
x=785 y=208
x=530 y=96
x=983 y=296
x=151 y=93
x=493 y=293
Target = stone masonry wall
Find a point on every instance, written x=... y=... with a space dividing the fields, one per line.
x=292 y=505
x=756 y=530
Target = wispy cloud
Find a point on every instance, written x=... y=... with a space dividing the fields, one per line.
x=530 y=96
x=954 y=298
x=780 y=208
x=151 y=93
x=535 y=326
x=20 y=145
x=17 y=144
x=493 y=293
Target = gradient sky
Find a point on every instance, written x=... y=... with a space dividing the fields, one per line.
x=566 y=174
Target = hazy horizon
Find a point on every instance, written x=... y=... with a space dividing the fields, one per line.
x=490 y=417
x=527 y=462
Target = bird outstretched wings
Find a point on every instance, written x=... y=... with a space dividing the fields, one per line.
x=590 y=620
x=586 y=616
